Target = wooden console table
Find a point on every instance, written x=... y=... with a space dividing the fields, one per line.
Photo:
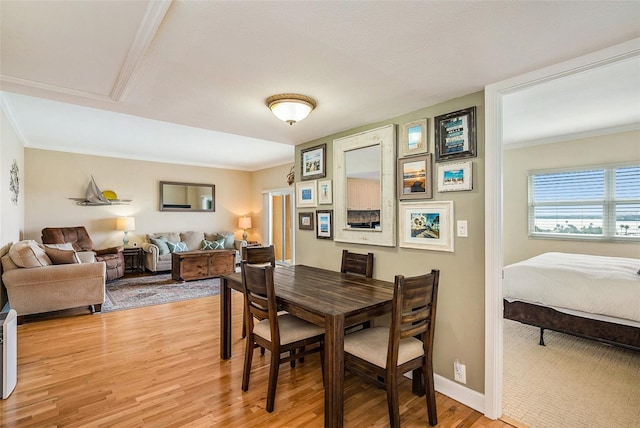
x=201 y=264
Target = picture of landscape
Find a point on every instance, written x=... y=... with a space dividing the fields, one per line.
x=414 y=177
x=425 y=225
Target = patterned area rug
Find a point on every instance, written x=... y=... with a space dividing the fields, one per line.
x=135 y=292
x=571 y=382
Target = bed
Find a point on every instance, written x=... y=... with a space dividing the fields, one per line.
x=595 y=297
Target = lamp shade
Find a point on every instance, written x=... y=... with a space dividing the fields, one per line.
x=126 y=223
x=244 y=222
x=290 y=108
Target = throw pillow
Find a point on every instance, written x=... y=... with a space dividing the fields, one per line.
x=61 y=257
x=229 y=240
x=163 y=248
x=177 y=247
x=28 y=254
x=212 y=245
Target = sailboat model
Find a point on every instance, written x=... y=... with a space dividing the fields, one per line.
x=94 y=196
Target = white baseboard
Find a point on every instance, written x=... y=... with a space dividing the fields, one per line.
x=460 y=393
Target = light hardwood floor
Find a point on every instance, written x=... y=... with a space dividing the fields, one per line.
x=160 y=366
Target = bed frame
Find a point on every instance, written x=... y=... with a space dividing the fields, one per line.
x=549 y=319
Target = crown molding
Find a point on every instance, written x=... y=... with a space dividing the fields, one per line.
x=149 y=26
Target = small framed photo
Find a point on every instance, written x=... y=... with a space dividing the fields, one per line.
x=456 y=135
x=453 y=177
x=413 y=138
x=325 y=224
x=427 y=225
x=313 y=162
x=306 y=194
x=325 y=192
x=305 y=221
x=415 y=178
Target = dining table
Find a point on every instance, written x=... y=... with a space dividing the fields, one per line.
x=327 y=298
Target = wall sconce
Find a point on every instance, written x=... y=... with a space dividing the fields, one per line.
x=126 y=224
x=244 y=223
x=290 y=108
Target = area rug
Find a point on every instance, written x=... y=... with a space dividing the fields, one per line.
x=135 y=292
x=571 y=382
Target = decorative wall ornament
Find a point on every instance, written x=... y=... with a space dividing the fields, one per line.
x=14 y=182
x=291 y=177
x=95 y=197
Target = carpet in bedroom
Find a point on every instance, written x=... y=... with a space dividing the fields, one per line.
x=135 y=292
x=571 y=382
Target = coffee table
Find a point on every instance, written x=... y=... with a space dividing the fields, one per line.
x=201 y=264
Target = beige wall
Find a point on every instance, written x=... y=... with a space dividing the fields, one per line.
x=460 y=315
x=11 y=215
x=266 y=179
x=614 y=148
x=53 y=177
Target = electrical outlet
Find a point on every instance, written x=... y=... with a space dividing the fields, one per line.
x=463 y=232
x=459 y=372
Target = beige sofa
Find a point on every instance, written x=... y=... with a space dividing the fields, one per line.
x=51 y=279
x=159 y=246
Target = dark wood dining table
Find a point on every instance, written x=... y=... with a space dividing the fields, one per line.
x=326 y=298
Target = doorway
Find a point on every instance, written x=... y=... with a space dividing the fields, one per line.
x=280 y=224
x=494 y=97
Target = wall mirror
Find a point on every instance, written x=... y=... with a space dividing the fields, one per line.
x=193 y=197
x=364 y=179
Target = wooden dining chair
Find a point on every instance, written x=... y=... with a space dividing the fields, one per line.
x=259 y=255
x=279 y=333
x=384 y=354
x=362 y=264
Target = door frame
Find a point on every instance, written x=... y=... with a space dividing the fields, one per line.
x=268 y=216
x=494 y=94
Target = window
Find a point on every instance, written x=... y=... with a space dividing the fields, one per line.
x=600 y=202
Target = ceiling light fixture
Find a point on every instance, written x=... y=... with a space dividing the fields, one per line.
x=290 y=108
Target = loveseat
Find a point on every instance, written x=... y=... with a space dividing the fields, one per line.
x=159 y=246
x=42 y=278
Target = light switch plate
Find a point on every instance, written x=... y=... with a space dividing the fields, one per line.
x=462 y=230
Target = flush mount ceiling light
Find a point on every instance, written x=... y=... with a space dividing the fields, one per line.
x=290 y=108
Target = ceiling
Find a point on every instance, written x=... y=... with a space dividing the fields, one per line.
x=185 y=81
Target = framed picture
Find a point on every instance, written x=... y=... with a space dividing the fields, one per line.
x=325 y=192
x=313 y=162
x=427 y=225
x=305 y=221
x=306 y=194
x=325 y=224
x=453 y=177
x=415 y=178
x=413 y=138
x=456 y=135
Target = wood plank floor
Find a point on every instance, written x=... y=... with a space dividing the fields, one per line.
x=160 y=366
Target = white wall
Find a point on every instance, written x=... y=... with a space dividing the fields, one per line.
x=11 y=215
x=614 y=148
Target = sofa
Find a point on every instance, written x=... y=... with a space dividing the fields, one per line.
x=41 y=278
x=79 y=238
x=158 y=247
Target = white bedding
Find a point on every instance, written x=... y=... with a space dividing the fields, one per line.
x=594 y=284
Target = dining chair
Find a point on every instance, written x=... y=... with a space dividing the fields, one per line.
x=361 y=264
x=259 y=255
x=384 y=354
x=279 y=333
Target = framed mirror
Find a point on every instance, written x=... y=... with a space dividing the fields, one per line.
x=364 y=174
x=189 y=197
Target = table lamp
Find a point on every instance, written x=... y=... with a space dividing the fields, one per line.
x=244 y=223
x=126 y=224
